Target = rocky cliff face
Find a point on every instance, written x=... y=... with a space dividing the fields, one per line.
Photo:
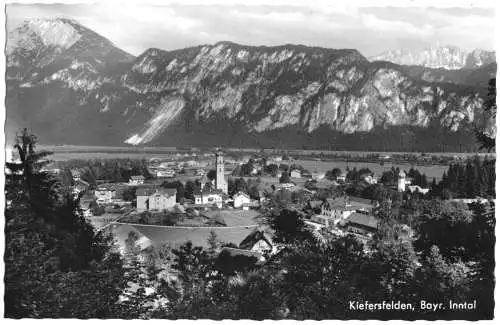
x=79 y=86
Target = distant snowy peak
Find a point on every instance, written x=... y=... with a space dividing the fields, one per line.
x=58 y=33
x=446 y=57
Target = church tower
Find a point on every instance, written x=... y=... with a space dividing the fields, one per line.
x=401 y=181
x=220 y=181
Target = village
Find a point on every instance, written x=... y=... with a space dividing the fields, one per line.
x=227 y=197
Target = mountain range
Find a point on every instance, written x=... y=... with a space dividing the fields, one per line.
x=444 y=57
x=70 y=85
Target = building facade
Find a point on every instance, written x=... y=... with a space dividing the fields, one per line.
x=401 y=181
x=241 y=199
x=209 y=198
x=155 y=199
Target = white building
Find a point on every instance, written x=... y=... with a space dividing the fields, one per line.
x=136 y=180
x=418 y=189
x=240 y=199
x=295 y=173
x=209 y=198
x=401 y=181
x=76 y=174
x=371 y=180
x=104 y=195
x=342 y=177
x=318 y=176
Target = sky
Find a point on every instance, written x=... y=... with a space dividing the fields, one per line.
x=137 y=26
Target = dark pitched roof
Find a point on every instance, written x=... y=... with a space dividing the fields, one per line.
x=354 y=199
x=362 y=219
x=211 y=191
x=148 y=191
x=81 y=183
x=238 y=251
x=254 y=237
x=241 y=193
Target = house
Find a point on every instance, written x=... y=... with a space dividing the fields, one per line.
x=295 y=173
x=363 y=224
x=136 y=180
x=369 y=179
x=418 y=189
x=76 y=174
x=285 y=186
x=241 y=198
x=79 y=187
x=149 y=199
x=168 y=172
x=238 y=252
x=342 y=177
x=104 y=194
x=336 y=209
x=306 y=174
x=211 y=197
x=200 y=172
x=85 y=202
x=318 y=176
x=259 y=241
x=360 y=204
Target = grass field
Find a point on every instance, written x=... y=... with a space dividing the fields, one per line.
x=178 y=236
x=235 y=217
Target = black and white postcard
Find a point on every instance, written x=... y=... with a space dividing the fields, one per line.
x=250 y=160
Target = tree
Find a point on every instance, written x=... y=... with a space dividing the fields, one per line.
x=486 y=141
x=129 y=194
x=213 y=243
x=53 y=258
x=285 y=178
x=288 y=226
x=211 y=174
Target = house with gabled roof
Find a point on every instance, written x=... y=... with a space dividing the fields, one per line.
x=259 y=241
x=150 y=199
x=241 y=198
x=361 y=223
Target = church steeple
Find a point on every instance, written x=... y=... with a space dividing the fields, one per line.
x=220 y=181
